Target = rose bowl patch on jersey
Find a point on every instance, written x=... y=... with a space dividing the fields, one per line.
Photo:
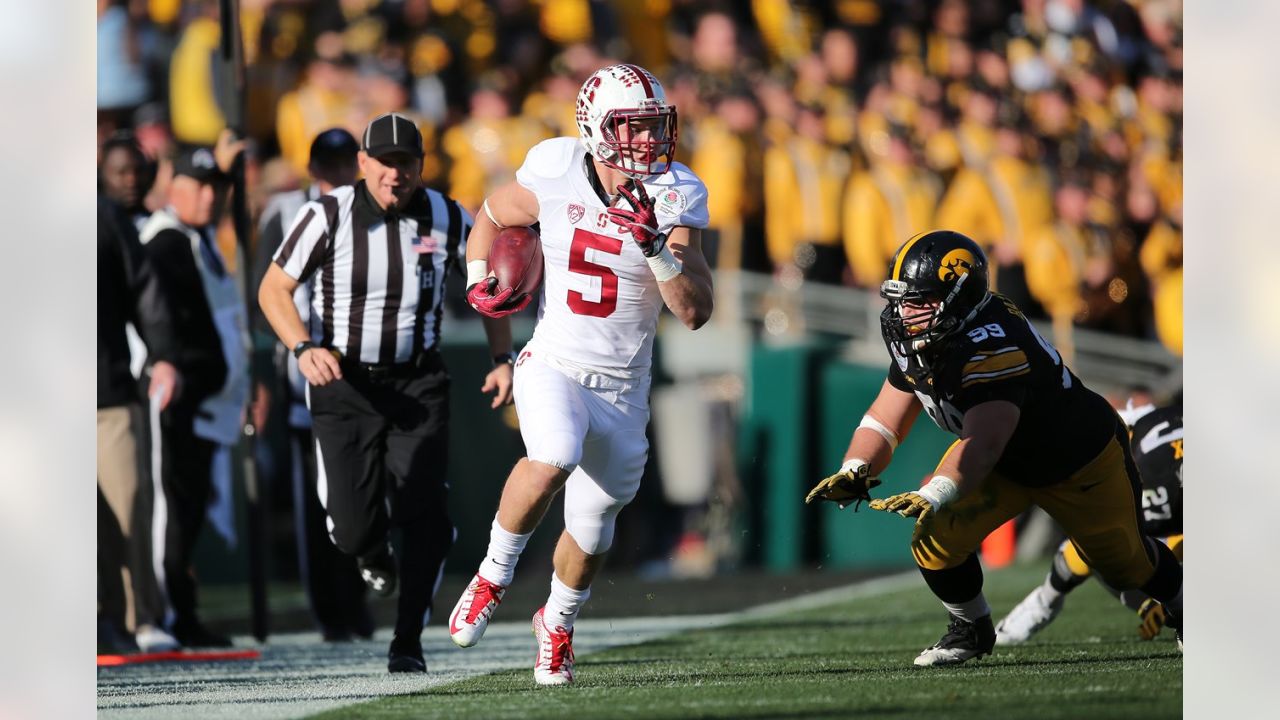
x=670 y=202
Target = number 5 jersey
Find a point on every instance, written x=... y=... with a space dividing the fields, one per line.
x=600 y=300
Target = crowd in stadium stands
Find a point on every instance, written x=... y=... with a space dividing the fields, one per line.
x=827 y=132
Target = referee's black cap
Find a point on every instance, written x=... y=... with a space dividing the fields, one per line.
x=392 y=133
x=334 y=146
x=197 y=162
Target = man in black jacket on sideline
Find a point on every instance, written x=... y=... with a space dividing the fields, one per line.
x=209 y=318
x=128 y=292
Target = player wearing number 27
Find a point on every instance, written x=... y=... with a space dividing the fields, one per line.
x=620 y=226
x=1030 y=432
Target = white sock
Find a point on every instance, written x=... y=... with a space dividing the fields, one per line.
x=1051 y=593
x=970 y=611
x=563 y=604
x=499 y=564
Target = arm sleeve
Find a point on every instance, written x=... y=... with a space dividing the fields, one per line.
x=303 y=247
x=899 y=380
x=151 y=304
x=148 y=306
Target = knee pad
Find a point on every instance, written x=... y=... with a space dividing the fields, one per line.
x=558 y=449
x=591 y=522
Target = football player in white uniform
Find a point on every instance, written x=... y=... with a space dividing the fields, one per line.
x=620 y=227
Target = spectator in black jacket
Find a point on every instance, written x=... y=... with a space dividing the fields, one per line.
x=209 y=318
x=128 y=292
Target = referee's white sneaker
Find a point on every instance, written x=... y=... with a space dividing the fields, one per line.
x=471 y=615
x=554 y=664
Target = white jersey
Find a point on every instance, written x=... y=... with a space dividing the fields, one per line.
x=600 y=300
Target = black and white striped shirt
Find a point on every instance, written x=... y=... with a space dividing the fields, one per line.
x=378 y=280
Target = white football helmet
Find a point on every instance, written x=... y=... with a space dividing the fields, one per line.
x=625 y=121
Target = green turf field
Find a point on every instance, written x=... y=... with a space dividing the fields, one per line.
x=851 y=659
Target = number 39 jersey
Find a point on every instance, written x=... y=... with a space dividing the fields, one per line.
x=1156 y=440
x=600 y=301
x=1000 y=356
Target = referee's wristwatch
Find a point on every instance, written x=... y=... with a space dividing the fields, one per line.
x=302 y=347
x=508 y=358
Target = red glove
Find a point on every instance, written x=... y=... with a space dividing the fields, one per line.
x=641 y=221
x=501 y=305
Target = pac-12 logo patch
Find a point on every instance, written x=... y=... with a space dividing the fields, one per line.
x=576 y=212
x=670 y=202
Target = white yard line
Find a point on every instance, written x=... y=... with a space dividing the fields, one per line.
x=298 y=675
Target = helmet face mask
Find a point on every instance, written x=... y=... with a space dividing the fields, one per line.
x=937 y=283
x=639 y=142
x=625 y=122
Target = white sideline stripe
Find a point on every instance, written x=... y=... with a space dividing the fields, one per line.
x=298 y=675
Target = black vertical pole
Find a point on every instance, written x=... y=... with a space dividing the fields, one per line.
x=231 y=56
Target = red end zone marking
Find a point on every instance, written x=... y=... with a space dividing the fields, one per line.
x=177 y=655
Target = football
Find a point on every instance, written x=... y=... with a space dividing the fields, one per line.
x=516 y=260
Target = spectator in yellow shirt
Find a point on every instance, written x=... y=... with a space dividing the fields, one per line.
x=322 y=101
x=1161 y=258
x=1001 y=205
x=804 y=180
x=886 y=204
x=194 y=112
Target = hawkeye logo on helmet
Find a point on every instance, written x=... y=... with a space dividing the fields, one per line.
x=955 y=265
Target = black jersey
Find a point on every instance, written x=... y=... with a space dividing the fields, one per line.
x=1157 y=450
x=1063 y=424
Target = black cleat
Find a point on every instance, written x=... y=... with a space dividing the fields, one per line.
x=378 y=570
x=964 y=640
x=193 y=634
x=405 y=656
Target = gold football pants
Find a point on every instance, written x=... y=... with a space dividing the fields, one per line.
x=1098 y=508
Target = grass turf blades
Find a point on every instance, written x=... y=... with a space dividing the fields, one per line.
x=849 y=659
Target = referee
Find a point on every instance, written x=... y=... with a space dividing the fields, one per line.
x=377 y=254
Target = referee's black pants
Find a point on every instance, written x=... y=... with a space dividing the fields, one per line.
x=330 y=577
x=383 y=443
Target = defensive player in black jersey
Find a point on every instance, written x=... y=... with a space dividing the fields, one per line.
x=1157 y=445
x=1030 y=432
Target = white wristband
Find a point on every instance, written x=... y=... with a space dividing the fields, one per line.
x=664 y=265
x=477 y=271
x=939 y=491
x=489 y=212
x=889 y=436
x=852 y=465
